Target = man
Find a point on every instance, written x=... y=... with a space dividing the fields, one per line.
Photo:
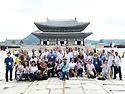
x=97 y=63
x=117 y=66
x=111 y=62
x=75 y=54
x=67 y=55
x=65 y=69
x=90 y=68
x=105 y=69
x=33 y=52
x=44 y=56
x=86 y=60
x=51 y=55
x=9 y=63
x=80 y=67
x=24 y=57
x=51 y=68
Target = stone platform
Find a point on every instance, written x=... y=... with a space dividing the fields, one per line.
x=75 y=85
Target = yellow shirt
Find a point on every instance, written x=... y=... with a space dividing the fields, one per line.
x=16 y=61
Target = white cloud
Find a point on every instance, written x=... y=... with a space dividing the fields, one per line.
x=106 y=16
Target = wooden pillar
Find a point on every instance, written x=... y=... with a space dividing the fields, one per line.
x=57 y=41
x=67 y=41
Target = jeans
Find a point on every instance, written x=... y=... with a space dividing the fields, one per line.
x=62 y=76
x=10 y=74
x=80 y=71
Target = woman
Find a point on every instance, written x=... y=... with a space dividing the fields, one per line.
x=80 y=67
x=72 y=67
x=33 y=71
x=58 y=68
x=26 y=70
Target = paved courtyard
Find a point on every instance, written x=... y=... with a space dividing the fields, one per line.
x=75 y=85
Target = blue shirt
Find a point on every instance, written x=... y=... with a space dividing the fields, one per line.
x=66 y=67
x=52 y=56
x=9 y=63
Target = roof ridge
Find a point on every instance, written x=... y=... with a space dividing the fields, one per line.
x=61 y=20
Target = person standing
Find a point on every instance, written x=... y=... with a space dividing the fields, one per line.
x=117 y=66
x=9 y=63
x=97 y=63
x=110 y=63
x=51 y=55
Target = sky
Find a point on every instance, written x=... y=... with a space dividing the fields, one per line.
x=106 y=17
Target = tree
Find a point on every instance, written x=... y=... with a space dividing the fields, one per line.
x=13 y=42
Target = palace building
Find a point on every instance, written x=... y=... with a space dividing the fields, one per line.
x=68 y=32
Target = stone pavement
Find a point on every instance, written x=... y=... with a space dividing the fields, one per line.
x=75 y=85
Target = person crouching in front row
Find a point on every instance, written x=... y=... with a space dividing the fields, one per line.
x=65 y=69
x=33 y=71
x=90 y=68
x=51 y=68
x=72 y=65
x=105 y=70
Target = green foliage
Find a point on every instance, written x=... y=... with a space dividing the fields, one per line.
x=94 y=43
x=13 y=42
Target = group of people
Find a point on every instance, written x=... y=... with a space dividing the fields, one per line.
x=63 y=63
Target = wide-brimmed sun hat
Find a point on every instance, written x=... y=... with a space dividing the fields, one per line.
x=64 y=58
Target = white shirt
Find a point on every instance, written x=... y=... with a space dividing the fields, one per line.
x=87 y=58
x=90 y=67
x=72 y=65
x=18 y=69
x=75 y=53
x=59 y=56
x=79 y=65
x=33 y=69
x=106 y=68
x=110 y=60
x=67 y=57
x=31 y=54
x=26 y=70
x=35 y=59
x=44 y=54
x=71 y=54
x=117 y=61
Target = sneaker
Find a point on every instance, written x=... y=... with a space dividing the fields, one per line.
x=88 y=76
x=67 y=78
x=114 y=78
x=120 y=78
x=11 y=80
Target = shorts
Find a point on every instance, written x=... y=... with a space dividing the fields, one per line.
x=91 y=72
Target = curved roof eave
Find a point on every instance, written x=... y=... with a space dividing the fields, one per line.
x=39 y=24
